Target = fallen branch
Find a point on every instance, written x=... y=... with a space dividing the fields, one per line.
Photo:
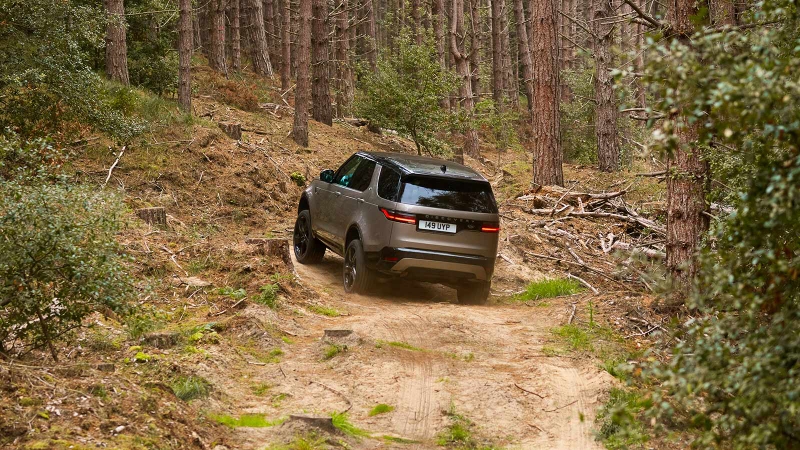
x=529 y=392
x=349 y=403
x=561 y=407
x=583 y=282
x=111 y=169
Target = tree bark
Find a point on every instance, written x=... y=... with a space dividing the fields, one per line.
x=510 y=81
x=344 y=74
x=524 y=52
x=498 y=80
x=722 y=12
x=270 y=28
x=605 y=124
x=372 y=37
x=259 y=52
x=236 y=37
x=185 y=47
x=415 y=22
x=286 y=47
x=303 y=89
x=471 y=145
x=439 y=31
x=687 y=172
x=216 y=51
x=475 y=49
x=547 y=155
x=116 y=42
x=320 y=85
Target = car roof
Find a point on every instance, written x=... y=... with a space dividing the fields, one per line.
x=423 y=165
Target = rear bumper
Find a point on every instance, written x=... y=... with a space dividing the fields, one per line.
x=429 y=265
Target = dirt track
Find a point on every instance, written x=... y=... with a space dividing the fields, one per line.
x=477 y=360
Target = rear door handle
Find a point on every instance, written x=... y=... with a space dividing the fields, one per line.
x=338 y=194
x=361 y=200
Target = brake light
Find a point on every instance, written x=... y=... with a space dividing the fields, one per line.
x=490 y=228
x=399 y=217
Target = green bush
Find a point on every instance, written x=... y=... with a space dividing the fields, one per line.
x=404 y=94
x=733 y=380
x=188 y=388
x=59 y=260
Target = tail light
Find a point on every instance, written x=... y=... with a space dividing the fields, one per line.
x=490 y=227
x=398 y=216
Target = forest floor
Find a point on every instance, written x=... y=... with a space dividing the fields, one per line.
x=212 y=360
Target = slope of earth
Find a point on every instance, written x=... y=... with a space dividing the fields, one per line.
x=228 y=341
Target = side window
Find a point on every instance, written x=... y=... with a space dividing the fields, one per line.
x=356 y=173
x=363 y=175
x=388 y=184
x=345 y=173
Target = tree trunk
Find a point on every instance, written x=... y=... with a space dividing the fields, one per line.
x=510 y=81
x=372 y=38
x=270 y=28
x=475 y=49
x=415 y=22
x=498 y=85
x=344 y=75
x=687 y=172
x=286 y=47
x=546 y=122
x=439 y=31
x=259 y=52
x=116 y=42
x=722 y=12
x=605 y=124
x=185 y=47
x=216 y=51
x=303 y=89
x=471 y=146
x=320 y=86
x=196 y=28
x=236 y=37
x=524 y=52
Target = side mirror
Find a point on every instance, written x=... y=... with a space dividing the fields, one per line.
x=326 y=175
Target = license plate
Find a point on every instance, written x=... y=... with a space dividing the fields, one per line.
x=437 y=226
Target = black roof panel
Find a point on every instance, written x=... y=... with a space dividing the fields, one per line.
x=423 y=165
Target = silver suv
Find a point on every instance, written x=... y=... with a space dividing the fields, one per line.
x=391 y=214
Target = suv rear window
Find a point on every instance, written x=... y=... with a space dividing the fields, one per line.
x=473 y=196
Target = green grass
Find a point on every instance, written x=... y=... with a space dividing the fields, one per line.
x=246 y=420
x=399 y=440
x=310 y=441
x=191 y=387
x=617 y=421
x=381 y=408
x=458 y=435
x=343 y=424
x=268 y=295
x=332 y=350
x=235 y=294
x=324 y=310
x=260 y=389
x=577 y=338
x=403 y=345
x=557 y=287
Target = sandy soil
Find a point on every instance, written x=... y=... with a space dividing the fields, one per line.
x=484 y=362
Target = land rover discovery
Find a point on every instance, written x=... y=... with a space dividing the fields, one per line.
x=398 y=215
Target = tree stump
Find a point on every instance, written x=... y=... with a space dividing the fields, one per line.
x=276 y=248
x=323 y=423
x=233 y=130
x=153 y=216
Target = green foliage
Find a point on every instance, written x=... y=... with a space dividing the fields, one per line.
x=46 y=82
x=298 y=178
x=152 y=59
x=309 y=441
x=404 y=94
x=332 y=350
x=59 y=260
x=325 y=310
x=268 y=295
x=537 y=290
x=577 y=116
x=403 y=345
x=458 y=435
x=188 y=388
x=246 y=420
x=734 y=378
x=501 y=126
x=343 y=424
x=381 y=408
x=235 y=294
x=618 y=420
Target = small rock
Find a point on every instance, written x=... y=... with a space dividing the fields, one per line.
x=191 y=282
x=337 y=333
x=119 y=429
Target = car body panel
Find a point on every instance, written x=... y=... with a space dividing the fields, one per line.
x=395 y=248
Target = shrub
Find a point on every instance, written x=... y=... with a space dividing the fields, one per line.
x=59 y=260
x=405 y=92
x=268 y=295
x=190 y=387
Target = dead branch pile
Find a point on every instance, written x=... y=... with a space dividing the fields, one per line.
x=577 y=229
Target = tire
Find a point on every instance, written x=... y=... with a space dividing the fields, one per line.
x=474 y=293
x=356 y=276
x=307 y=248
